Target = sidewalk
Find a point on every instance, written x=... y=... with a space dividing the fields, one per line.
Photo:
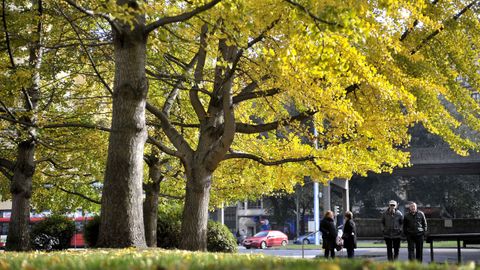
x=442 y=255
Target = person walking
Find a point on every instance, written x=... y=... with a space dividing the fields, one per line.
x=415 y=227
x=392 y=223
x=349 y=235
x=329 y=234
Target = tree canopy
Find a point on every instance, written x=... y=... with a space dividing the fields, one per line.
x=249 y=96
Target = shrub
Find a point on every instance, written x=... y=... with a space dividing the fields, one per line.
x=219 y=238
x=168 y=227
x=54 y=232
x=91 y=231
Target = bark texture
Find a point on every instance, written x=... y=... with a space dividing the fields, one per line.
x=150 y=205
x=195 y=213
x=18 y=238
x=121 y=223
x=216 y=135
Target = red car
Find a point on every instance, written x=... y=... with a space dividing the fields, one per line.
x=266 y=239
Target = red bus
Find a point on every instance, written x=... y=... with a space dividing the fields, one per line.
x=77 y=240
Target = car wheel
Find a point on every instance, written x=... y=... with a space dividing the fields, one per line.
x=263 y=245
x=247 y=247
x=284 y=243
x=306 y=242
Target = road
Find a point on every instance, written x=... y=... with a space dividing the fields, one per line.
x=379 y=254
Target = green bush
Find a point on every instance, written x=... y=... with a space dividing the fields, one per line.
x=57 y=230
x=219 y=238
x=91 y=231
x=168 y=227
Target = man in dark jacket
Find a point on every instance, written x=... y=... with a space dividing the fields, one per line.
x=415 y=227
x=349 y=235
x=329 y=234
x=392 y=222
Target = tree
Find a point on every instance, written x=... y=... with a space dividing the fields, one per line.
x=21 y=170
x=352 y=67
x=121 y=222
x=241 y=77
x=35 y=105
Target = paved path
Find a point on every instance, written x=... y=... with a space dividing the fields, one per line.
x=379 y=254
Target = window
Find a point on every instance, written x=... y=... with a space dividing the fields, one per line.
x=241 y=205
x=4 y=228
x=255 y=204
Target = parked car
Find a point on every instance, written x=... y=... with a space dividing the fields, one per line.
x=307 y=239
x=266 y=239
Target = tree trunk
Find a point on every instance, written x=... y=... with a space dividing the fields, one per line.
x=121 y=222
x=150 y=212
x=195 y=211
x=150 y=205
x=18 y=238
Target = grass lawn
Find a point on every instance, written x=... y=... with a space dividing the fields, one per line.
x=158 y=259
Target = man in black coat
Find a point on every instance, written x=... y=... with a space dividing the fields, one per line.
x=415 y=227
x=349 y=235
x=329 y=234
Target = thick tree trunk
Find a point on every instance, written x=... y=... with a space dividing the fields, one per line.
x=150 y=212
x=121 y=223
x=18 y=238
x=195 y=212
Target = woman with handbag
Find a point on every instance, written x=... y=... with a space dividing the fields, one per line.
x=329 y=234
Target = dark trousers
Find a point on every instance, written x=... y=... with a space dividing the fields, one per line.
x=350 y=252
x=393 y=247
x=415 y=247
x=330 y=252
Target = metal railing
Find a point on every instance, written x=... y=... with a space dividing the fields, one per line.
x=303 y=242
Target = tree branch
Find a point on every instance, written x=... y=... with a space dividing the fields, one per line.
x=77 y=194
x=24 y=123
x=436 y=32
x=5 y=172
x=221 y=146
x=240 y=52
x=311 y=15
x=352 y=88
x=171 y=196
x=235 y=155
x=79 y=125
x=51 y=161
x=409 y=30
x=7 y=36
x=185 y=125
x=175 y=138
x=179 y=18
x=198 y=75
x=415 y=23
x=163 y=147
x=95 y=14
x=7 y=164
x=251 y=129
x=90 y=58
x=7 y=110
x=252 y=95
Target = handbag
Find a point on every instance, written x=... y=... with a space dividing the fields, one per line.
x=338 y=243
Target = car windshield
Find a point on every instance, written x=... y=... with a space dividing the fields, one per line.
x=261 y=234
